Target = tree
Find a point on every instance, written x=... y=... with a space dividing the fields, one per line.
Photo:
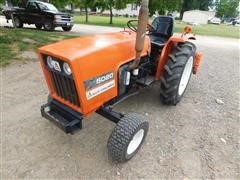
x=202 y=4
x=227 y=8
x=58 y=3
x=110 y=4
x=85 y=4
x=186 y=6
x=162 y=6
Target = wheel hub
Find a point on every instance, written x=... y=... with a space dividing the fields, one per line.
x=135 y=142
x=17 y=22
x=185 y=76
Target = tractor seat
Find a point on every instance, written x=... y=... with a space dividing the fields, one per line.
x=162 y=30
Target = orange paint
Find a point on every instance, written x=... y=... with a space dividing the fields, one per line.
x=165 y=53
x=89 y=57
x=197 y=62
x=187 y=29
x=93 y=56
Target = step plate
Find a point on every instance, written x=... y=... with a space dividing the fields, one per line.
x=147 y=81
x=65 y=118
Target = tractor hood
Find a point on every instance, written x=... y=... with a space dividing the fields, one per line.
x=120 y=44
x=91 y=58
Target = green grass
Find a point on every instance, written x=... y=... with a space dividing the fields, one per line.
x=14 y=41
x=208 y=29
x=102 y=21
x=222 y=30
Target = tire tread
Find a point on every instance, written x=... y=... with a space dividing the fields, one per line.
x=122 y=134
x=173 y=72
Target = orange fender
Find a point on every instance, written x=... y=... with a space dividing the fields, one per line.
x=165 y=53
x=197 y=62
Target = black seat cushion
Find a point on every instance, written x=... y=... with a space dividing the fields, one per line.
x=162 y=30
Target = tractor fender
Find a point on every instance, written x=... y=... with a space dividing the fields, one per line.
x=197 y=62
x=165 y=53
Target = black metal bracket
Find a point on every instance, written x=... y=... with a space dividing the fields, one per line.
x=109 y=113
x=64 y=117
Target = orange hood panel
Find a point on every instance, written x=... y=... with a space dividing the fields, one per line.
x=72 y=49
x=90 y=57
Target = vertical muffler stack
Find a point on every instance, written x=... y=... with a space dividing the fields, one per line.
x=141 y=33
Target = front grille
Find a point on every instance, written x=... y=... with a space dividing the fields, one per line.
x=65 y=18
x=64 y=85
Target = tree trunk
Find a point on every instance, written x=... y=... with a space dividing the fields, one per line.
x=111 y=15
x=86 y=14
x=183 y=9
x=72 y=7
x=181 y=14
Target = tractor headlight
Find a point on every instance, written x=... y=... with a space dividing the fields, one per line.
x=67 y=69
x=50 y=62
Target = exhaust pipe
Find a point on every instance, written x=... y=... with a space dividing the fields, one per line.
x=141 y=33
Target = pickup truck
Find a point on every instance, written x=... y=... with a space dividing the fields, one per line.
x=41 y=14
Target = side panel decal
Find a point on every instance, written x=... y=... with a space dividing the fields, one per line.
x=99 y=85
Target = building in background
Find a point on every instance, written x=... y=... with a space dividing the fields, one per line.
x=198 y=17
x=131 y=10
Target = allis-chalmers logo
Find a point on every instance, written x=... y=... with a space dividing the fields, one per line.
x=99 y=85
x=104 y=78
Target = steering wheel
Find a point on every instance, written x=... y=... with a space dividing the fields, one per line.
x=131 y=26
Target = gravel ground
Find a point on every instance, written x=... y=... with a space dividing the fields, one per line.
x=198 y=138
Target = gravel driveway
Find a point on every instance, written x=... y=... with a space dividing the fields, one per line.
x=198 y=138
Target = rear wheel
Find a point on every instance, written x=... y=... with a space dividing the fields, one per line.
x=18 y=23
x=38 y=26
x=127 y=137
x=177 y=73
x=67 y=28
x=48 y=26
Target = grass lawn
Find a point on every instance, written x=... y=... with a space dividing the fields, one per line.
x=15 y=41
x=209 y=29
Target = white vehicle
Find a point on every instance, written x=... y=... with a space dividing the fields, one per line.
x=215 y=20
x=236 y=22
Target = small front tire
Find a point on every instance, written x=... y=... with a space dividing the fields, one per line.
x=127 y=137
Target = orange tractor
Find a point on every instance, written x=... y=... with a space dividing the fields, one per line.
x=95 y=73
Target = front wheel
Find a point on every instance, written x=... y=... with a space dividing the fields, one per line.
x=69 y=28
x=17 y=22
x=127 y=137
x=48 y=26
x=38 y=26
x=177 y=73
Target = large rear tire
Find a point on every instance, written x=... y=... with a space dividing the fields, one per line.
x=127 y=137
x=177 y=73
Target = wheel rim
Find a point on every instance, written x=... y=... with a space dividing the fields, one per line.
x=17 y=23
x=38 y=26
x=48 y=26
x=135 y=142
x=185 y=76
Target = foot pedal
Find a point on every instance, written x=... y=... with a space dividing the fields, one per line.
x=146 y=81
